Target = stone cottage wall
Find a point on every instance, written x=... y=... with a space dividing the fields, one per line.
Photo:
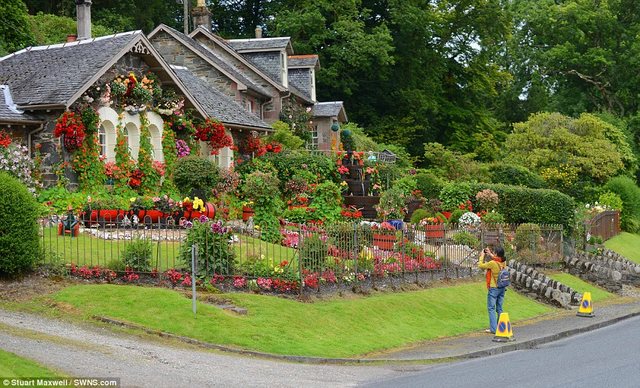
x=176 y=53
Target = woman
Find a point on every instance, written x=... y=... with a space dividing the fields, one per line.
x=495 y=296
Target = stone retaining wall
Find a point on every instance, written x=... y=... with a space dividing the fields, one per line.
x=530 y=281
x=605 y=268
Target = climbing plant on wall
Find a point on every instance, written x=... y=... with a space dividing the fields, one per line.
x=145 y=160
x=86 y=159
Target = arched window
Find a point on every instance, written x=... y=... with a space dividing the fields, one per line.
x=102 y=141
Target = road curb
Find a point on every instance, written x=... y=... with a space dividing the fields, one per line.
x=510 y=347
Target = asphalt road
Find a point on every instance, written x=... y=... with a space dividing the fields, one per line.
x=607 y=357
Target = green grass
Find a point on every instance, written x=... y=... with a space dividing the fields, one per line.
x=15 y=366
x=626 y=244
x=88 y=250
x=597 y=294
x=335 y=328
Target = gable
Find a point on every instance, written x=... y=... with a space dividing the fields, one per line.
x=51 y=75
x=223 y=49
x=182 y=50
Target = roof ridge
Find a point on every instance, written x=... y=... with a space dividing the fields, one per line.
x=255 y=39
x=70 y=44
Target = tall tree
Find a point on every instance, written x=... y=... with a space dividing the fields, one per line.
x=14 y=28
x=578 y=55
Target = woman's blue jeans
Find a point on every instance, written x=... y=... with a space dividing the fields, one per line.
x=495 y=298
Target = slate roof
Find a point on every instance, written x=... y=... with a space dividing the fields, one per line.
x=327 y=109
x=299 y=93
x=310 y=61
x=10 y=115
x=220 y=62
x=261 y=44
x=217 y=104
x=53 y=74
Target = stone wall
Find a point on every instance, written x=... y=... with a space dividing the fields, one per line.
x=535 y=284
x=605 y=268
x=175 y=53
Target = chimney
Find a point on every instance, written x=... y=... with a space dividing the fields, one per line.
x=258 y=32
x=83 y=15
x=201 y=15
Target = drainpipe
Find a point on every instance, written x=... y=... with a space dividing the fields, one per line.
x=31 y=134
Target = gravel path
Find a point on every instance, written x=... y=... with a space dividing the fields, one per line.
x=86 y=351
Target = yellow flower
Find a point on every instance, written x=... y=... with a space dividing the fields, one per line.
x=198 y=204
x=132 y=199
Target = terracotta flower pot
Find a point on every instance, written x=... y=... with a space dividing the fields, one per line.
x=247 y=212
x=434 y=231
x=384 y=241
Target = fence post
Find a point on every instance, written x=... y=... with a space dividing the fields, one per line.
x=194 y=253
x=403 y=253
x=300 y=242
x=355 y=249
x=444 y=250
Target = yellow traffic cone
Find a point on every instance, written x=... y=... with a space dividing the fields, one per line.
x=586 y=307
x=503 y=331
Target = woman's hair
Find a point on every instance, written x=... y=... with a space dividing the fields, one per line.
x=500 y=253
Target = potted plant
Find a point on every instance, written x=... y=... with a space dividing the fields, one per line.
x=247 y=210
x=384 y=236
x=392 y=206
x=434 y=226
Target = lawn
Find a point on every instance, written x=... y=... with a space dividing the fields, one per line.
x=89 y=250
x=15 y=366
x=626 y=244
x=597 y=294
x=332 y=328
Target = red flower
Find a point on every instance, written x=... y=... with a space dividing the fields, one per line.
x=213 y=132
x=71 y=126
x=5 y=139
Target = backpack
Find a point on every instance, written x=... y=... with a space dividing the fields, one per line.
x=504 y=278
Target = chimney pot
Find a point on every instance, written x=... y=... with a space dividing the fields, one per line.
x=258 y=32
x=72 y=38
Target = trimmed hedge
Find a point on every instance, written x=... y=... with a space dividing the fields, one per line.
x=19 y=242
x=511 y=174
x=521 y=204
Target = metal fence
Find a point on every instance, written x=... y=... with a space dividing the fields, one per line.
x=302 y=258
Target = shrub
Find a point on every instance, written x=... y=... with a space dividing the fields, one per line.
x=541 y=206
x=487 y=199
x=455 y=216
x=527 y=236
x=406 y=184
x=19 y=242
x=493 y=217
x=465 y=238
x=455 y=193
x=626 y=188
x=214 y=248
x=510 y=174
x=313 y=252
x=392 y=204
x=418 y=215
x=327 y=202
x=15 y=159
x=429 y=184
x=263 y=189
x=195 y=176
x=611 y=200
x=137 y=254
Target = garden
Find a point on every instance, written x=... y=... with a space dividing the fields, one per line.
x=284 y=219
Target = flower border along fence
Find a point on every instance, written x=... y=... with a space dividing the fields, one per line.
x=308 y=259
